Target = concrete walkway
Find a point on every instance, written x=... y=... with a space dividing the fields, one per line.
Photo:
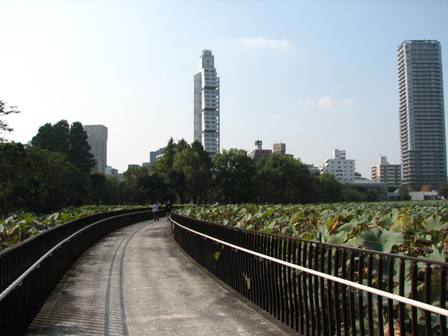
x=137 y=281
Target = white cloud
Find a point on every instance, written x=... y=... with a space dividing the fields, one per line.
x=348 y=102
x=325 y=103
x=263 y=42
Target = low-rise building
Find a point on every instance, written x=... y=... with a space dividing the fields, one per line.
x=424 y=195
x=279 y=148
x=259 y=154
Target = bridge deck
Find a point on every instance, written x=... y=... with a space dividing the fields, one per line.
x=137 y=281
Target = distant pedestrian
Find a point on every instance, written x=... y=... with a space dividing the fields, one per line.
x=155 y=211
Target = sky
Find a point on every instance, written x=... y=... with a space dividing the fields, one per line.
x=316 y=75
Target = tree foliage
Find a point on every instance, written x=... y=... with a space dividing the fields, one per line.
x=37 y=179
x=233 y=176
x=283 y=179
x=55 y=171
x=4 y=111
x=71 y=141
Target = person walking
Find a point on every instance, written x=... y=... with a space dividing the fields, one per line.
x=155 y=211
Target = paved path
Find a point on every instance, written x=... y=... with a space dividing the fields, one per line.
x=137 y=281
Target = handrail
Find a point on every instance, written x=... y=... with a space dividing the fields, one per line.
x=402 y=299
x=23 y=296
x=19 y=280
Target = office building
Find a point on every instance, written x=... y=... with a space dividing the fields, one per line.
x=206 y=104
x=389 y=174
x=422 y=117
x=155 y=155
x=340 y=167
x=97 y=138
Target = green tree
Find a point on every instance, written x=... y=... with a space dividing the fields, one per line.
x=153 y=188
x=329 y=188
x=13 y=177
x=443 y=191
x=4 y=111
x=283 y=179
x=233 y=176
x=105 y=189
x=55 y=138
x=352 y=193
x=185 y=170
x=69 y=141
x=192 y=171
x=131 y=191
x=164 y=166
x=177 y=177
x=38 y=180
x=53 y=182
x=79 y=149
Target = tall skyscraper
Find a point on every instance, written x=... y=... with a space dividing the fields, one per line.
x=422 y=116
x=97 y=138
x=206 y=104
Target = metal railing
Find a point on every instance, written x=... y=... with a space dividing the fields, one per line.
x=37 y=265
x=322 y=289
x=17 y=259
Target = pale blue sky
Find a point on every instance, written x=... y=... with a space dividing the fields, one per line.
x=316 y=75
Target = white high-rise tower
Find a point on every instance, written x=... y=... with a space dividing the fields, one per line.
x=206 y=104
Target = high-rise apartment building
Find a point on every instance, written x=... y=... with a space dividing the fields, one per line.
x=97 y=138
x=206 y=104
x=389 y=174
x=422 y=116
x=340 y=167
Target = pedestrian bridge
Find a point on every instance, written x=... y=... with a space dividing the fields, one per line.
x=122 y=273
x=137 y=281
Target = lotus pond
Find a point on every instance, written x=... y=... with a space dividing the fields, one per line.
x=411 y=228
x=22 y=225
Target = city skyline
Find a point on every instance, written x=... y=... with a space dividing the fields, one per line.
x=313 y=79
